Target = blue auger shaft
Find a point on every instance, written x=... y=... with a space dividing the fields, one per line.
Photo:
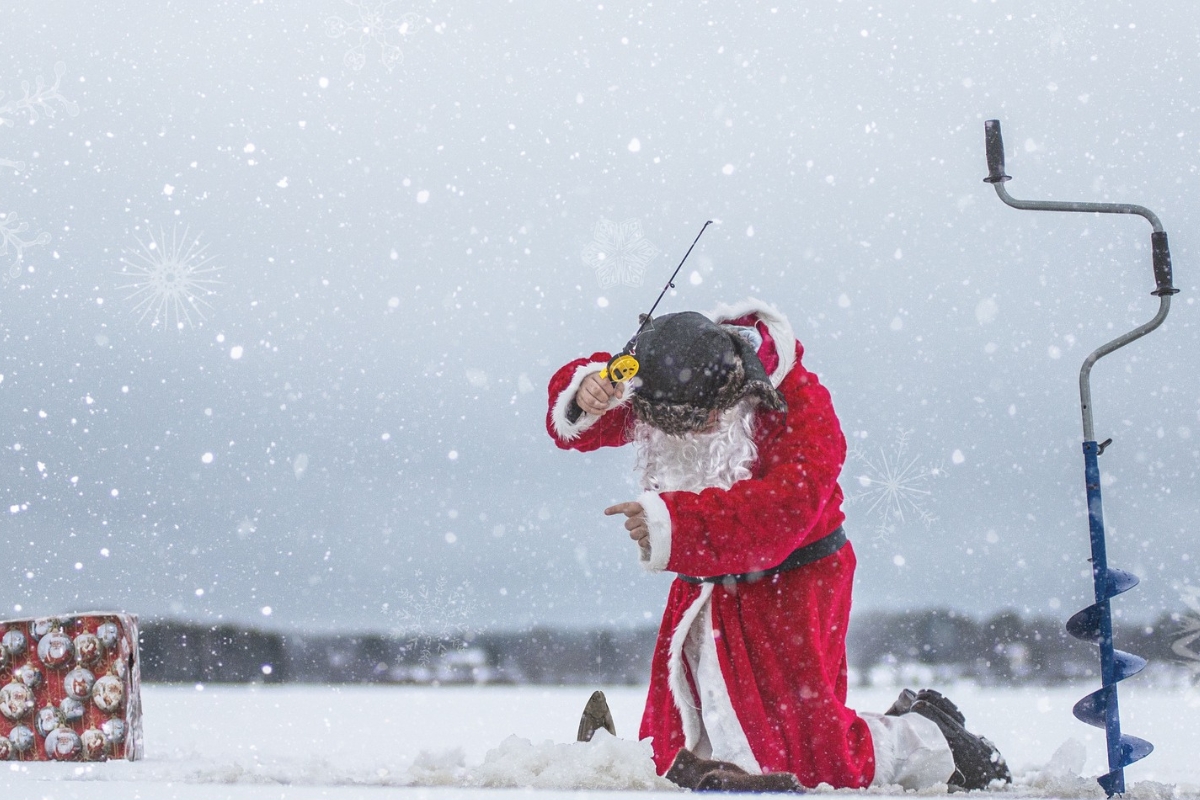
x=1108 y=677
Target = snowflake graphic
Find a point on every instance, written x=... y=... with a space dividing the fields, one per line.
x=893 y=484
x=619 y=253
x=35 y=99
x=373 y=27
x=1185 y=645
x=434 y=620
x=33 y=103
x=169 y=279
x=11 y=229
x=40 y=97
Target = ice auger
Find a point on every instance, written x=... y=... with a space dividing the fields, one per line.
x=1094 y=623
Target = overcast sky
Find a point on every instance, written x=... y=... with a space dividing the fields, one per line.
x=403 y=223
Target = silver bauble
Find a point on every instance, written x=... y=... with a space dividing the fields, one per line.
x=16 y=701
x=94 y=745
x=56 y=650
x=48 y=718
x=29 y=675
x=108 y=694
x=78 y=683
x=21 y=738
x=114 y=729
x=109 y=634
x=15 y=643
x=88 y=649
x=72 y=709
x=63 y=744
x=40 y=627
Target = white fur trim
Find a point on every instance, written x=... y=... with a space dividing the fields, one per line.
x=658 y=522
x=777 y=324
x=910 y=751
x=726 y=737
x=681 y=690
x=565 y=429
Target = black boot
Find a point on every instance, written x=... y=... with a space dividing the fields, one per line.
x=907 y=697
x=721 y=780
x=688 y=769
x=977 y=762
x=595 y=716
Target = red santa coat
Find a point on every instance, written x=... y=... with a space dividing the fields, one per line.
x=780 y=641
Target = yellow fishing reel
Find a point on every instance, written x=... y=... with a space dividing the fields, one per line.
x=620 y=369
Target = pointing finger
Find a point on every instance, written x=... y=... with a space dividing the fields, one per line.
x=628 y=509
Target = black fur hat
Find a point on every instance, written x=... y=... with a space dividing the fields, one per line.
x=688 y=367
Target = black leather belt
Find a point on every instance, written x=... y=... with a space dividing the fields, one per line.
x=815 y=551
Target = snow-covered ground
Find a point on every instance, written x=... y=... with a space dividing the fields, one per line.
x=299 y=742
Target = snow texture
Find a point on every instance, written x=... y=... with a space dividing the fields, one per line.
x=406 y=742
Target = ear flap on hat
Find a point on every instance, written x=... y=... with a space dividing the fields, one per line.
x=758 y=383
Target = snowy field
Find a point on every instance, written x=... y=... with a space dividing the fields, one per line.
x=297 y=742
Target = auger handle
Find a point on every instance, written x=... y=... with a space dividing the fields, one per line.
x=574 y=412
x=1162 y=264
x=994 y=144
x=620 y=369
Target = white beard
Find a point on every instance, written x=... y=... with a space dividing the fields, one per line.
x=714 y=459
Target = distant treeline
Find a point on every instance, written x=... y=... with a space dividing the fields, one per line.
x=176 y=652
x=1003 y=649
x=882 y=648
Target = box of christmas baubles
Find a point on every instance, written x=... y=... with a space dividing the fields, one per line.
x=70 y=688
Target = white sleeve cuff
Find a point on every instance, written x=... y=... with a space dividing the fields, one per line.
x=658 y=521
x=570 y=431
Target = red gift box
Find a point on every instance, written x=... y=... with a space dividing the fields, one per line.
x=70 y=688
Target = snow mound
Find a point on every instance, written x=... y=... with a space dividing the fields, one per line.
x=895 y=791
x=446 y=768
x=1061 y=777
x=605 y=763
x=1153 y=790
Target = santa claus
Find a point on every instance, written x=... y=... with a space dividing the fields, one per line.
x=739 y=452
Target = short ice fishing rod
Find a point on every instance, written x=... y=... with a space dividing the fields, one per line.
x=624 y=365
x=1094 y=623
